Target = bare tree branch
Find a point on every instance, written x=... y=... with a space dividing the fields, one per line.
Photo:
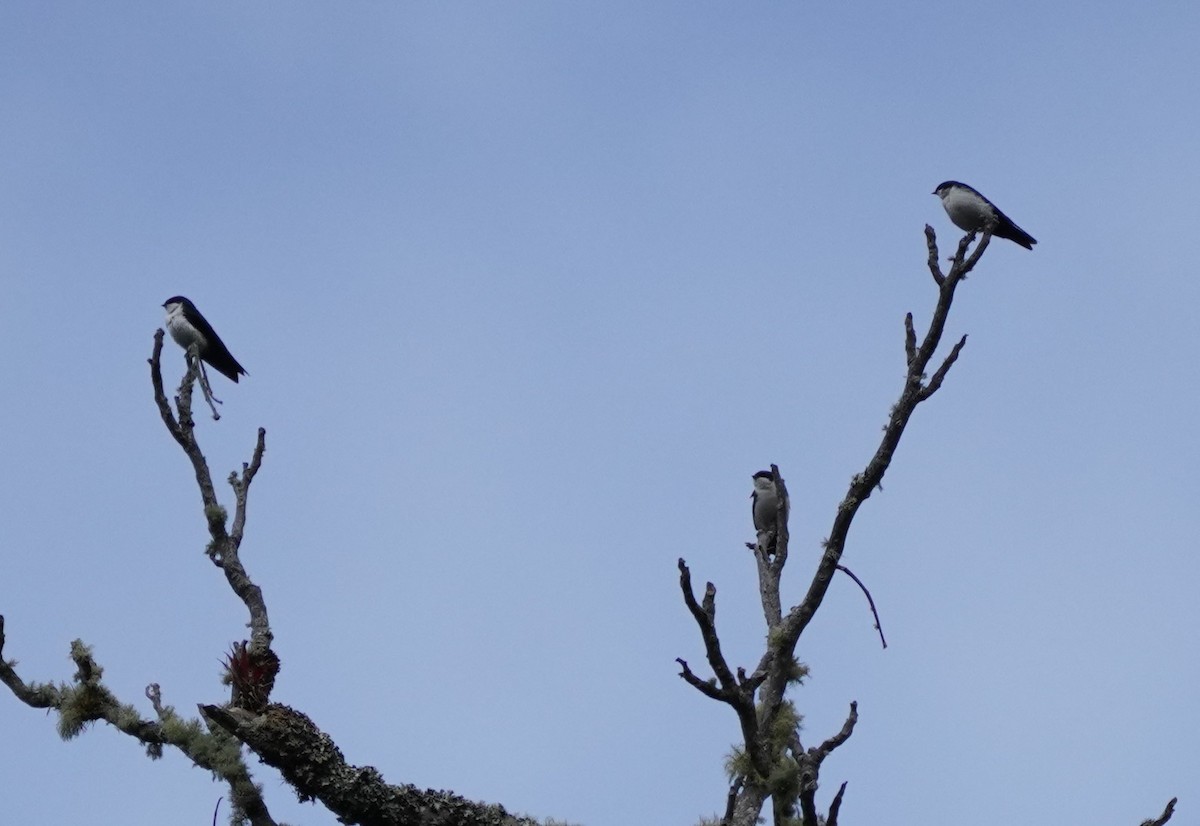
x=154 y=695
x=193 y=355
x=783 y=512
x=1165 y=816
x=870 y=601
x=224 y=545
x=705 y=687
x=182 y=429
x=819 y=753
x=739 y=696
x=778 y=662
x=705 y=616
x=241 y=485
x=835 y=807
x=940 y=375
x=810 y=767
x=966 y=242
x=934 y=268
x=808 y=800
x=230 y=561
x=910 y=339
x=863 y=484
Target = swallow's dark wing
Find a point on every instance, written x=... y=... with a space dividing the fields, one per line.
x=1005 y=228
x=215 y=353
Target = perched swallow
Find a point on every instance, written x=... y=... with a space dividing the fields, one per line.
x=764 y=504
x=188 y=327
x=972 y=212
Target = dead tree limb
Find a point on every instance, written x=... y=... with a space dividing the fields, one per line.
x=1165 y=816
x=765 y=740
x=870 y=601
x=279 y=736
x=224 y=543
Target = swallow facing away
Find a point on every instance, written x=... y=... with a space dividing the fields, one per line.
x=972 y=212
x=188 y=327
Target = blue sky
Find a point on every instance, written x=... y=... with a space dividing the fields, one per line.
x=526 y=293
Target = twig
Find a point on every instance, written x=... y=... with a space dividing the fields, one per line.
x=783 y=510
x=705 y=615
x=810 y=766
x=871 y=602
x=193 y=353
x=739 y=696
x=835 y=807
x=154 y=695
x=819 y=753
x=706 y=687
x=934 y=383
x=931 y=244
x=174 y=427
x=910 y=339
x=1165 y=816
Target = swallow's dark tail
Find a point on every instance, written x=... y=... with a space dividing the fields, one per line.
x=227 y=366
x=1015 y=234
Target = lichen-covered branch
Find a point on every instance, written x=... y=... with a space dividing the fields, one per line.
x=315 y=767
x=87 y=700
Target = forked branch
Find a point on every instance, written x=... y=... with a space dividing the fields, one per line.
x=224 y=543
x=778 y=666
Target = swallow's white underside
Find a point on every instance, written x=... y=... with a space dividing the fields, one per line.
x=967 y=210
x=181 y=329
